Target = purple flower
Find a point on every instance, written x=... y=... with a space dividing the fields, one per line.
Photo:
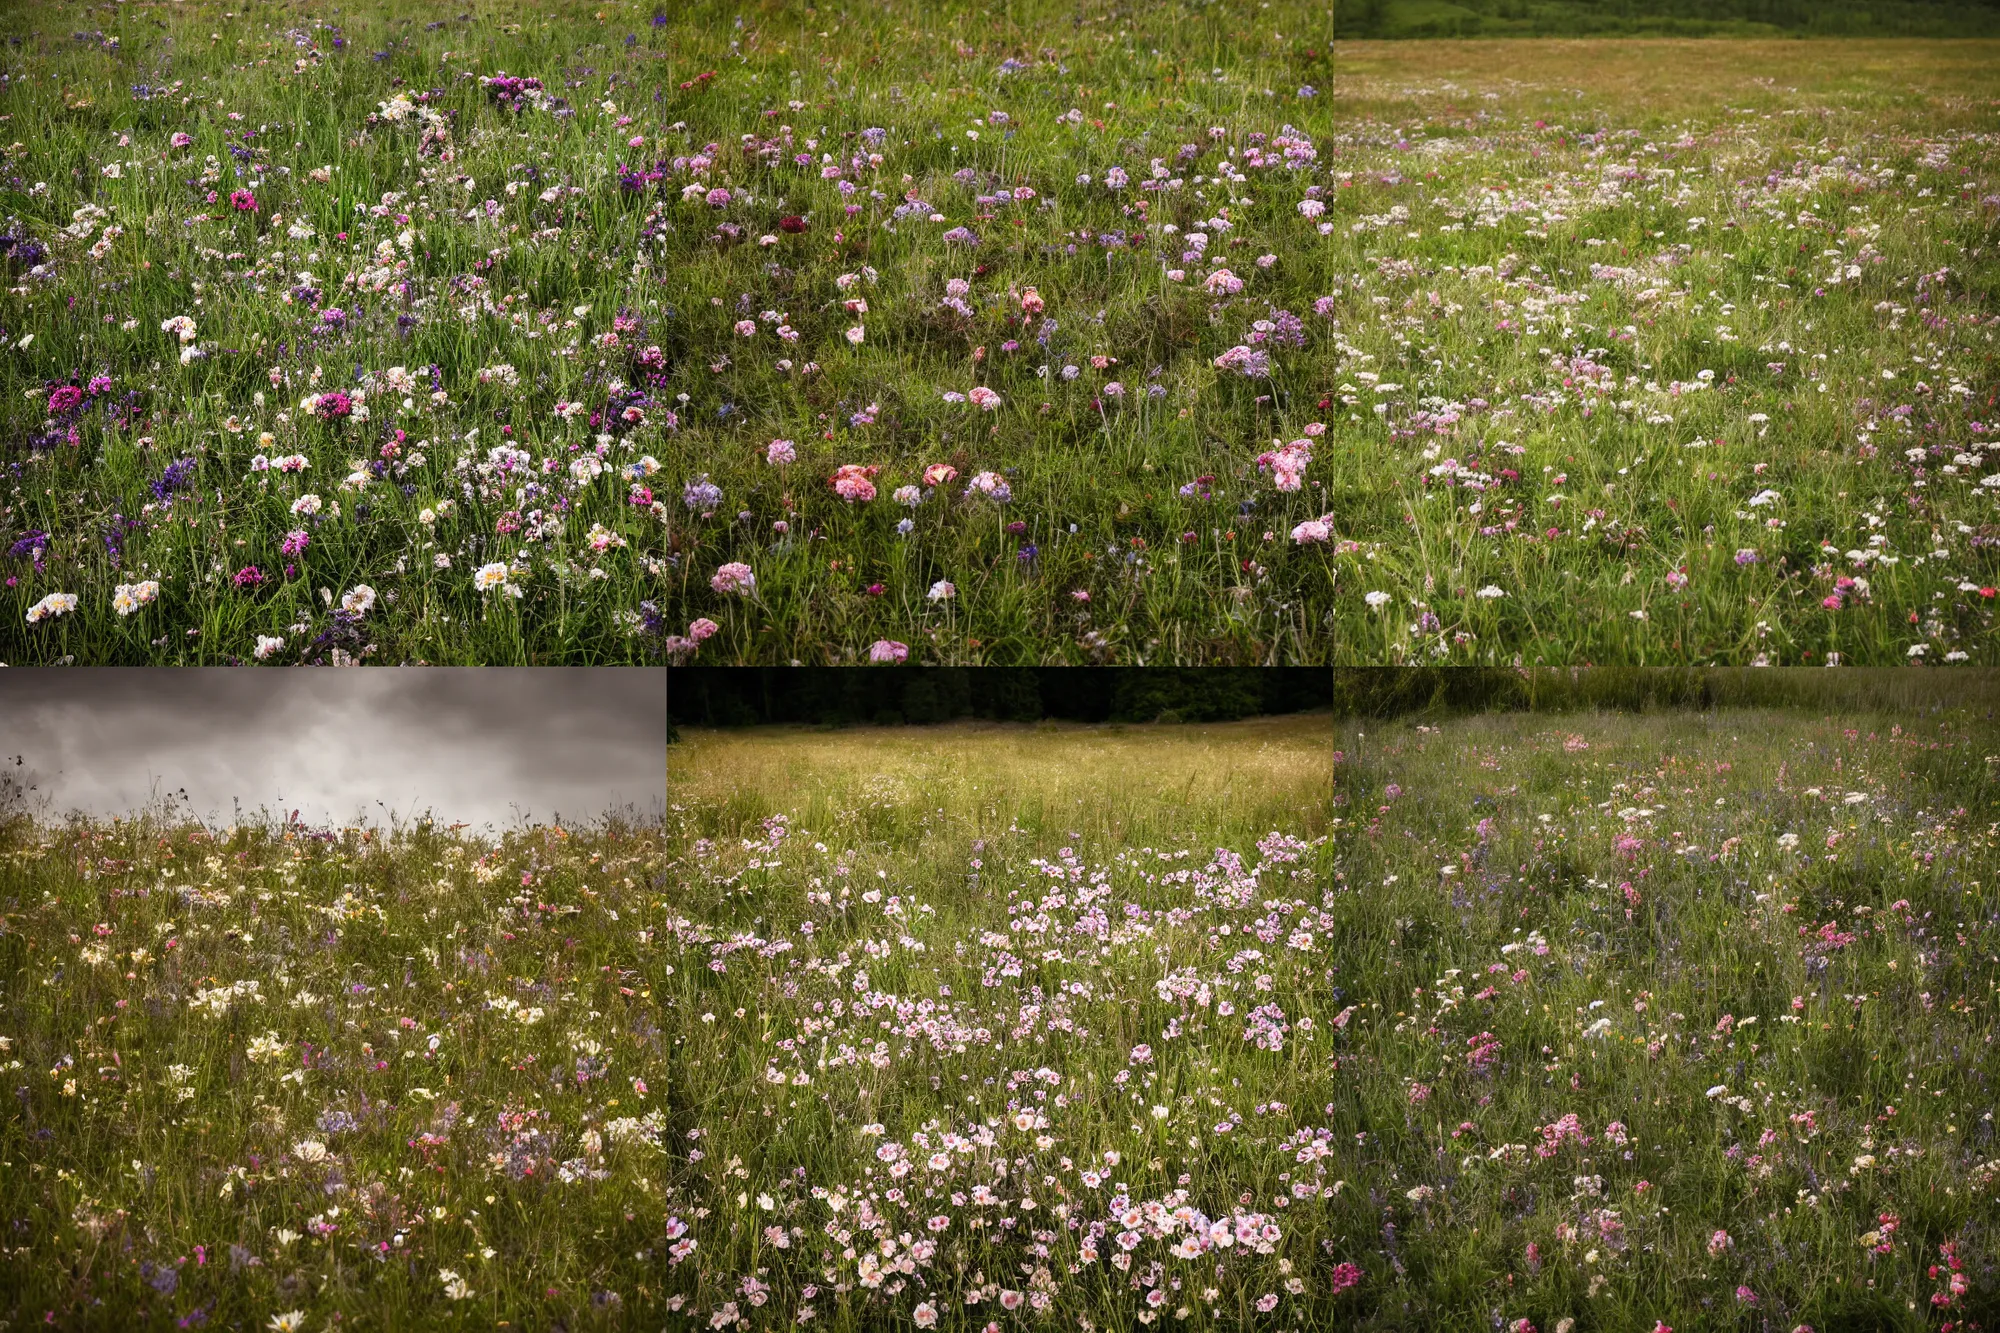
x=179 y=476
x=961 y=236
x=701 y=494
x=65 y=399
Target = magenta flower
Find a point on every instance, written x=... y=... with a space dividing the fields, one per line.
x=335 y=406
x=243 y=201
x=888 y=650
x=249 y=576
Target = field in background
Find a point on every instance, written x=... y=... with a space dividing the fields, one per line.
x=1685 y=18
x=930 y=790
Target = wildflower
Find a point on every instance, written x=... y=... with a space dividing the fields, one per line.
x=268 y=644
x=992 y=486
x=1376 y=600
x=1312 y=530
x=491 y=576
x=780 y=451
x=292 y=1320
x=181 y=326
x=856 y=334
x=129 y=597
x=734 y=577
x=454 y=1286
x=853 y=482
x=942 y=591
x=888 y=650
x=55 y=604
x=984 y=398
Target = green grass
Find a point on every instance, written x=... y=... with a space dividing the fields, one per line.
x=1469 y=189
x=848 y=950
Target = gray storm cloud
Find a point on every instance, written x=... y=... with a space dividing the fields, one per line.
x=482 y=745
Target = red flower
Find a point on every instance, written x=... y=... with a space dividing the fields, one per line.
x=792 y=225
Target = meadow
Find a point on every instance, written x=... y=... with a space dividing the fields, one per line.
x=1556 y=1021
x=1552 y=1021
x=1169 y=334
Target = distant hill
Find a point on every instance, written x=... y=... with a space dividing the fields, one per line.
x=1676 y=18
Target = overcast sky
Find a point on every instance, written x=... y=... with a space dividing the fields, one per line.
x=484 y=745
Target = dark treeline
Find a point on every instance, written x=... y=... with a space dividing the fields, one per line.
x=836 y=696
x=1392 y=691
x=1680 y=18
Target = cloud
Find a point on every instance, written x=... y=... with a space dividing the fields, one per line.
x=477 y=744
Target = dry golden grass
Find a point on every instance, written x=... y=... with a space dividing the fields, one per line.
x=1951 y=83
x=1112 y=783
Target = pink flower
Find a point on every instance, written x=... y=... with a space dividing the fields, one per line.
x=780 y=451
x=1312 y=530
x=702 y=629
x=243 y=201
x=888 y=650
x=717 y=198
x=734 y=577
x=1343 y=1277
x=939 y=474
x=984 y=398
x=852 y=482
x=180 y=139
x=925 y=1315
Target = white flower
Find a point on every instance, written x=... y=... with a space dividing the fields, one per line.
x=306 y=504
x=454 y=1285
x=942 y=591
x=309 y=1150
x=288 y=1322
x=856 y=334
x=1717 y=1090
x=1490 y=591
x=358 y=600
x=489 y=577
x=129 y=597
x=268 y=644
x=1375 y=599
x=181 y=326
x=55 y=604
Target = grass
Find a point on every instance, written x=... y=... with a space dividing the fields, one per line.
x=1509 y=246
x=278 y=1068
x=1586 y=1019
x=1726 y=942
